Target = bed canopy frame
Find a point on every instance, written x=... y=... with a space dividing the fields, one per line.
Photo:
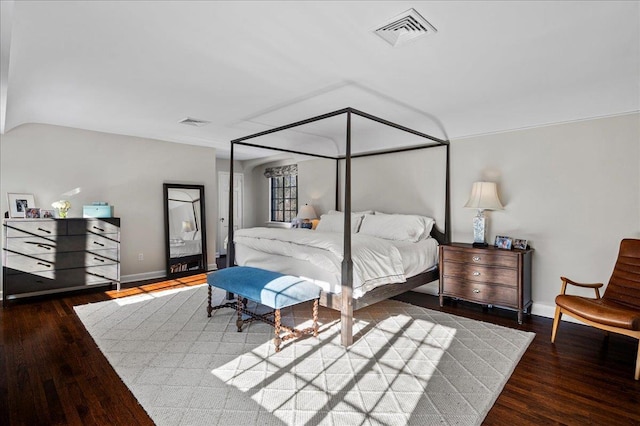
x=344 y=301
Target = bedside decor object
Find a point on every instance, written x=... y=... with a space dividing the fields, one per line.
x=520 y=244
x=306 y=213
x=47 y=214
x=62 y=207
x=19 y=203
x=32 y=213
x=484 y=196
x=503 y=242
x=97 y=210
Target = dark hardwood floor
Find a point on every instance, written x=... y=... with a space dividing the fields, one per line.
x=53 y=373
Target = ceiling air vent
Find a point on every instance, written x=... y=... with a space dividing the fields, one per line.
x=194 y=122
x=407 y=26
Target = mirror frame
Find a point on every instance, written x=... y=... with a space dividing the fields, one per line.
x=203 y=268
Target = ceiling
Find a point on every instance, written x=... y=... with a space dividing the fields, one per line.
x=137 y=68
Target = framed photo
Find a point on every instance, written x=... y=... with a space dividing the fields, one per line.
x=19 y=203
x=47 y=214
x=520 y=244
x=32 y=213
x=503 y=242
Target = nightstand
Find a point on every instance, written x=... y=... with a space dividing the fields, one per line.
x=489 y=276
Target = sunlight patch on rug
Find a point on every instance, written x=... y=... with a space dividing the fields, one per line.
x=408 y=365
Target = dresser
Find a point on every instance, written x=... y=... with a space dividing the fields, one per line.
x=44 y=256
x=489 y=276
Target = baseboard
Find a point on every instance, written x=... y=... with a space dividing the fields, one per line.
x=143 y=276
x=154 y=275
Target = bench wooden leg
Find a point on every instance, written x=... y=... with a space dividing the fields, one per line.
x=209 y=307
x=315 y=318
x=239 y=321
x=277 y=340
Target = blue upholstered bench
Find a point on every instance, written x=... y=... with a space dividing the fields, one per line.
x=268 y=288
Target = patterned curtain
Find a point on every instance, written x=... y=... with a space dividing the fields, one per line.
x=289 y=170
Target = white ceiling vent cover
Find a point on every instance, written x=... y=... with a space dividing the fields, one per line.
x=193 y=122
x=407 y=26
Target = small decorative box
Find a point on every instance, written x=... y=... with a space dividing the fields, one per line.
x=97 y=211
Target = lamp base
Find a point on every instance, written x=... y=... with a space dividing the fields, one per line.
x=481 y=245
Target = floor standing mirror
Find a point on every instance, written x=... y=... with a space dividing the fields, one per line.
x=185 y=229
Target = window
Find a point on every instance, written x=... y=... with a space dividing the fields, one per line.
x=283 y=192
x=284 y=198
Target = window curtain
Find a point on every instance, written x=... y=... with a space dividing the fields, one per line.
x=290 y=170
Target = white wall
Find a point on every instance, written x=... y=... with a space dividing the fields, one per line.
x=127 y=172
x=572 y=190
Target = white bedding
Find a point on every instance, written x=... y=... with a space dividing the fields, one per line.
x=318 y=255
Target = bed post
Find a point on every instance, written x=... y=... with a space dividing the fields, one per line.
x=447 y=201
x=346 y=313
x=337 y=184
x=230 y=248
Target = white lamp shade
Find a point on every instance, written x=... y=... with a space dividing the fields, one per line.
x=307 y=212
x=186 y=226
x=484 y=196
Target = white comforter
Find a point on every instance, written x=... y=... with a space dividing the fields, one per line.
x=375 y=261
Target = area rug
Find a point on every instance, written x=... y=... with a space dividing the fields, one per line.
x=408 y=365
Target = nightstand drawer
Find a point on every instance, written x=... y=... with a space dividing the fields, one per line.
x=481 y=257
x=482 y=274
x=482 y=293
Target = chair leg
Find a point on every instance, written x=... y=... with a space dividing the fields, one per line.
x=556 y=322
x=637 y=376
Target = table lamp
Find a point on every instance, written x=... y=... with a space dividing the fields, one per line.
x=307 y=213
x=484 y=196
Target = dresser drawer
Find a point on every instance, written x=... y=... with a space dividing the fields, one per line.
x=35 y=245
x=508 y=277
x=44 y=228
x=479 y=292
x=58 y=280
x=49 y=261
x=93 y=226
x=480 y=257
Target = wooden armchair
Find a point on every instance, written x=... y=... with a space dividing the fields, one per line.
x=618 y=310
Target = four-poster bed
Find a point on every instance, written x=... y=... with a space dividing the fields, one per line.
x=345 y=301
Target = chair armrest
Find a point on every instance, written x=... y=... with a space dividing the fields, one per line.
x=566 y=281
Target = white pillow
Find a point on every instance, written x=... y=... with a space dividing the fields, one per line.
x=399 y=227
x=335 y=223
x=362 y=213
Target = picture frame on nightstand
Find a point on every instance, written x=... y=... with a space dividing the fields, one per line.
x=520 y=244
x=503 y=242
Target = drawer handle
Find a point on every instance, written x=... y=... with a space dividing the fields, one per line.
x=99 y=229
x=475 y=290
x=98 y=259
x=44 y=247
x=476 y=274
x=44 y=264
x=100 y=244
x=476 y=258
x=44 y=230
